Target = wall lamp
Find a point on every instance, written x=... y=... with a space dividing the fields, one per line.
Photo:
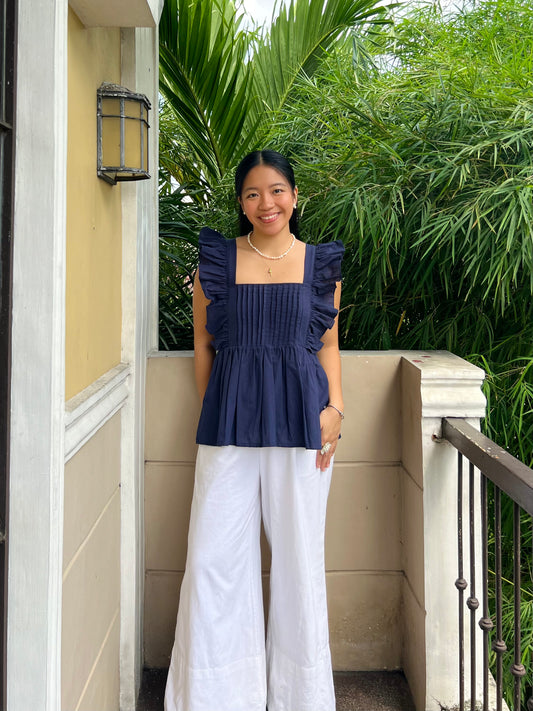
x=122 y=133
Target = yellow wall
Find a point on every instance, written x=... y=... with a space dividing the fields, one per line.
x=94 y=216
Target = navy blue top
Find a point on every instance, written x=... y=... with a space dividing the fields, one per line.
x=267 y=386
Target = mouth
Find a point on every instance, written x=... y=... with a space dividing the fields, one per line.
x=269 y=218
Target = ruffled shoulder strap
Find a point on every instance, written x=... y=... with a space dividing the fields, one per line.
x=213 y=261
x=327 y=271
x=325 y=275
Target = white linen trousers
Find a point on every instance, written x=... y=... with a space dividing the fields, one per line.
x=220 y=661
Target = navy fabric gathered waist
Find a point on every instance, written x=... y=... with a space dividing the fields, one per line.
x=264 y=396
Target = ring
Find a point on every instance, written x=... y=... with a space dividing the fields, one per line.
x=325 y=448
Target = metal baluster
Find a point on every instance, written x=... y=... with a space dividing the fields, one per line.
x=518 y=670
x=472 y=602
x=498 y=645
x=485 y=622
x=460 y=583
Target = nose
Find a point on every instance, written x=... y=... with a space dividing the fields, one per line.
x=266 y=201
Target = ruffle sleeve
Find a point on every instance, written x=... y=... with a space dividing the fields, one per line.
x=212 y=268
x=212 y=263
x=327 y=273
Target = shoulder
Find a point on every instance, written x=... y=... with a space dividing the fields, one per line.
x=241 y=242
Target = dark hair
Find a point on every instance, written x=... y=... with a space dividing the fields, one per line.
x=273 y=160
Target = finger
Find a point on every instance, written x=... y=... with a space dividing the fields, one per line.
x=327 y=458
x=320 y=460
x=323 y=461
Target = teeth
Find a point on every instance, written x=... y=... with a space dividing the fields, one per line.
x=269 y=218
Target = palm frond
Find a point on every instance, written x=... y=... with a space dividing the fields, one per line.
x=299 y=38
x=205 y=78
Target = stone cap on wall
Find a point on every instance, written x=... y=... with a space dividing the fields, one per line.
x=449 y=385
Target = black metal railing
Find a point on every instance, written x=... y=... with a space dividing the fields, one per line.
x=503 y=481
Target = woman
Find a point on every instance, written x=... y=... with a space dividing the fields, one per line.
x=267 y=368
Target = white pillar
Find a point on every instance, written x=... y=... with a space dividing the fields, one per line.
x=139 y=336
x=35 y=538
x=447 y=387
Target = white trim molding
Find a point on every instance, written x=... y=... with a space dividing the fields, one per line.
x=86 y=412
x=139 y=333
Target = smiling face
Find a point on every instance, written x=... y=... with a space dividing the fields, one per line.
x=268 y=200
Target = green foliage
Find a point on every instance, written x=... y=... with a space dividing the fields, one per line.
x=298 y=41
x=223 y=85
x=178 y=250
x=508 y=388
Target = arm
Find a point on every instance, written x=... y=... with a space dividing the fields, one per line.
x=204 y=353
x=330 y=359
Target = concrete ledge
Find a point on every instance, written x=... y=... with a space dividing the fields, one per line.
x=118 y=13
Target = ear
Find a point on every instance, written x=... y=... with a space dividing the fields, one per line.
x=295 y=192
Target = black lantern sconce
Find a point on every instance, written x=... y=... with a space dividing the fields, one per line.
x=122 y=126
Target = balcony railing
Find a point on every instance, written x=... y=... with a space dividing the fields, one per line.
x=492 y=472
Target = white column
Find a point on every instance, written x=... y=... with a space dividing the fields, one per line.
x=449 y=387
x=35 y=544
x=139 y=334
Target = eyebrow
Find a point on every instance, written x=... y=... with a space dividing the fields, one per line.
x=270 y=186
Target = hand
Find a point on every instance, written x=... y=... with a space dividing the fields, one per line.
x=330 y=428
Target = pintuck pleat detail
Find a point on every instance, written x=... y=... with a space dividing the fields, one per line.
x=270 y=315
x=267 y=386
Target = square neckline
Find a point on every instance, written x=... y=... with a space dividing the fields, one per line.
x=232 y=269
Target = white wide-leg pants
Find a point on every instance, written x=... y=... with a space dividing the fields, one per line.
x=220 y=661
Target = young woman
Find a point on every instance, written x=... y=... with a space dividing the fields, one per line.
x=268 y=372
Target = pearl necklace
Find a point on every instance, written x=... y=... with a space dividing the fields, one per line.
x=267 y=256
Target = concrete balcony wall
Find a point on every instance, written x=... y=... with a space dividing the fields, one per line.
x=363 y=537
x=363 y=533
x=391 y=527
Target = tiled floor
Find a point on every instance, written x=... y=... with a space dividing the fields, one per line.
x=355 y=691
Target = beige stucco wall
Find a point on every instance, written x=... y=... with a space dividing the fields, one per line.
x=94 y=216
x=91 y=574
x=364 y=537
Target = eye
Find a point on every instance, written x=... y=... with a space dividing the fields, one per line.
x=278 y=190
x=250 y=195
